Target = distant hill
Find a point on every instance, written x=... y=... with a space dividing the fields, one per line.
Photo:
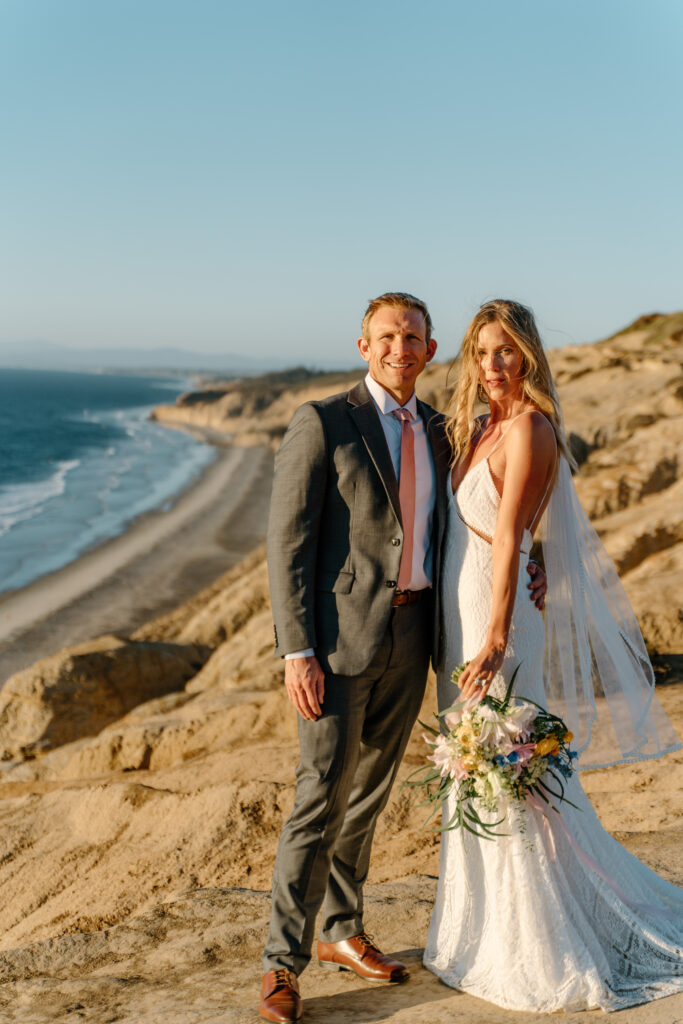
x=47 y=355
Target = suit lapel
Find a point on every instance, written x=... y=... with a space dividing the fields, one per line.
x=441 y=453
x=438 y=442
x=366 y=418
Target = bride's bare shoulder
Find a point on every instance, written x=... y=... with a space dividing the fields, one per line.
x=534 y=430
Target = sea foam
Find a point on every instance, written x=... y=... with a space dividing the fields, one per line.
x=19 y=502
x=81 y=460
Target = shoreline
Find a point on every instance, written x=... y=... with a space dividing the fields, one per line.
x=164 y=556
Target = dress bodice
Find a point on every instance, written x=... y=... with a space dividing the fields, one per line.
x=477 y=502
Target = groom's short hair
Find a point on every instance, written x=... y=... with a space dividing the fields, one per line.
x=401 y=299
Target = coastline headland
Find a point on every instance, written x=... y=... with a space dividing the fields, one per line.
x=147 y=766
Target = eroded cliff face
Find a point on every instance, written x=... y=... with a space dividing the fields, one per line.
x=189 y=789
x=252 y=411
x=624 y=399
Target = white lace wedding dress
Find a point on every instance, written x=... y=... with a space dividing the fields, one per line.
x=537 y=929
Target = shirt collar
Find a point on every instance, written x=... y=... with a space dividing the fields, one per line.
x=385 y=403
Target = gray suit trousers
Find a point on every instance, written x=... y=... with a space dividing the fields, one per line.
x=349 y=759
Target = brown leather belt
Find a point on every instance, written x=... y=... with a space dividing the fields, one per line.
x=408 y=596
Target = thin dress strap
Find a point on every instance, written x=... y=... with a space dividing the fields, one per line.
x=551 y=480
x=503 y=435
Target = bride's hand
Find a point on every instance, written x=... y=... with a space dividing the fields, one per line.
x=477 y=677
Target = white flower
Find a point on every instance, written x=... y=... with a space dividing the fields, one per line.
x=480 y=786
x=520 y=717
x=441 y=755
x=499 y=727
x=493 y=729
x=445 y=757
x=493 y=784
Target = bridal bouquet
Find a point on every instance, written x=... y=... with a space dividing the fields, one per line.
x=494 y=752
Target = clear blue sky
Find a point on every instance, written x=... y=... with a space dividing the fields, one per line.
x=246 y=175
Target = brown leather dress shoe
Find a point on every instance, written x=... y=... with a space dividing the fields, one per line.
x=360 y=954
x=280 y=999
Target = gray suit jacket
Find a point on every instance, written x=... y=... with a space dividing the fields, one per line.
x=335 y=533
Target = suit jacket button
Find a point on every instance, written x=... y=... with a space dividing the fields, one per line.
x=390 y=583
x=396 y=541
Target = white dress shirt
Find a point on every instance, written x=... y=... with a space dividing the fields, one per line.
x=425 y=484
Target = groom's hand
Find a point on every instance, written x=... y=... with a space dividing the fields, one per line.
x=538 y=585
x=305 y=682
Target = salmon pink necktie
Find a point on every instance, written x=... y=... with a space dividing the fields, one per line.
x=406 y=495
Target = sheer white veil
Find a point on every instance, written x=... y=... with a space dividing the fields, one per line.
x=597 y=673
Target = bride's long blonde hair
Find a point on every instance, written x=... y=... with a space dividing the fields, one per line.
x=538 y=385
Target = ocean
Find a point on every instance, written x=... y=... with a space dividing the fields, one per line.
x=79 y=459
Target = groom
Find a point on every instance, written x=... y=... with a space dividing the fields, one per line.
x=357 y=514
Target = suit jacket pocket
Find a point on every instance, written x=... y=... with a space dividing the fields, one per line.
x=335 y=582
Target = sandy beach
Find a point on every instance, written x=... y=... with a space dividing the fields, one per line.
x=163 y=557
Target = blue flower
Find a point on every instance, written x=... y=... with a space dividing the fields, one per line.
x=513 y=757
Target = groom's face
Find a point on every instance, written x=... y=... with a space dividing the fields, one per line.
x=397 y=349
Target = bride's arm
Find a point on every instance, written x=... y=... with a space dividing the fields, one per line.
x=529 y=453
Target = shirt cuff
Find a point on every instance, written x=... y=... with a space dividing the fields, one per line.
x=308 y=653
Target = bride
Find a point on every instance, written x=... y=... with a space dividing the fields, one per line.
x=561 y=917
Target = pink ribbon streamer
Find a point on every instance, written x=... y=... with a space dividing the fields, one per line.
x=589 y=862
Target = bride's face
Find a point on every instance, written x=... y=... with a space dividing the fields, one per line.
x=501 y=364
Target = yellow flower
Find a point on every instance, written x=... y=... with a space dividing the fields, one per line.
x=470 y=761
x=568 y=736
x=548 y=745
x=466 y=735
